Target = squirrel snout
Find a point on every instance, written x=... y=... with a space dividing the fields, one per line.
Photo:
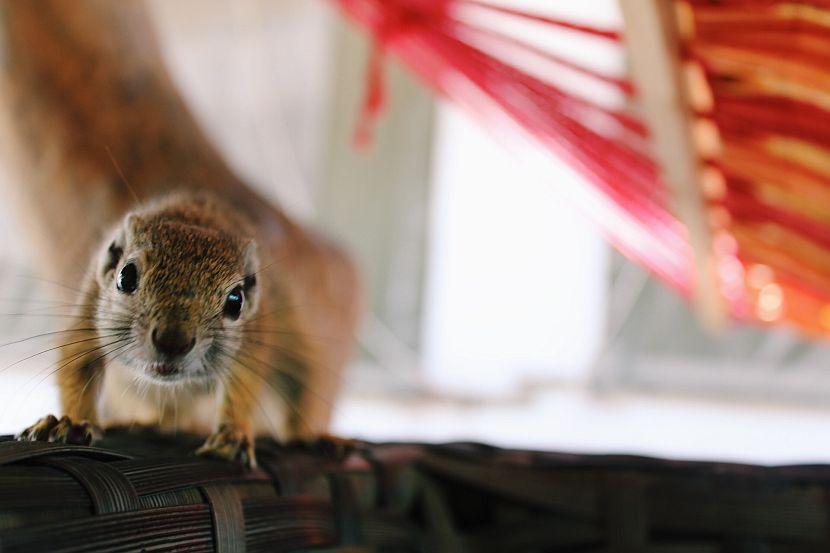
x=172 y=341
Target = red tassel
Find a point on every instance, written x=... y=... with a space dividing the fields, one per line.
x=374 y=98
x=388 y=21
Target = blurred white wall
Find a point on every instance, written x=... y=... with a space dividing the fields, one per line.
x=516 y=276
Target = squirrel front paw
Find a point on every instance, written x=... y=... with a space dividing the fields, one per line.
x=230 y=444
x=63 y=430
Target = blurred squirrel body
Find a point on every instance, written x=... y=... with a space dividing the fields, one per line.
x=91 y=120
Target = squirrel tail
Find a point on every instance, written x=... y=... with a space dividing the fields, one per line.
x=91 y=122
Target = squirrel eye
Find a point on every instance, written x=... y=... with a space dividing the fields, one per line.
x=127 y=281
x=233 y=303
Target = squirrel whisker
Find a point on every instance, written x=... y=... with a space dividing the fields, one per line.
x=281 y=393
x=84 y=353
x=298 y=379
x=62 y=365
x=53 y=333
x=226 y=375
x=60 y=346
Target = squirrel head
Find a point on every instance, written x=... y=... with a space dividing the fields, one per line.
x=186 y=283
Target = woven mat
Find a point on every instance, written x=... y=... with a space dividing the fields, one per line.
x=140 y=491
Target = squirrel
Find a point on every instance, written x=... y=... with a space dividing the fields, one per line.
x=203 y=306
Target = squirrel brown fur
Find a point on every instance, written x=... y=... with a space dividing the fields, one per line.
x=202 y=306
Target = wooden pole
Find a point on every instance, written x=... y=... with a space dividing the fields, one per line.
x=651 y=32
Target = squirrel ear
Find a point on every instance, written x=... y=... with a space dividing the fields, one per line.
x=133 y=224
x=113 y=252
x=115 y=248
x=250 y=267
x=250 y=262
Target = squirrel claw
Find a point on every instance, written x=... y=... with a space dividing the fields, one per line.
x=63 y=430
x=230 y=445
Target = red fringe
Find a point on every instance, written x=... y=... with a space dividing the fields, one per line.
x=766 y=64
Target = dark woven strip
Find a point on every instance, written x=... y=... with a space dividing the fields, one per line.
x=12 y=451
x=188 y=496
x=288 y=524
x=346 y=509
x=382 y=478
x=150 y=476
x=285 y=478
x=228 y=518
x=626 y=515
x=267 y=464
x=388 y=532
x=290 y=477
x=524 y=484
x=24 y=486
x=109 y=490
x=186 y=528
x=735 y=507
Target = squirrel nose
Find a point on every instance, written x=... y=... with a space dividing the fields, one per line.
x=172 y=341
